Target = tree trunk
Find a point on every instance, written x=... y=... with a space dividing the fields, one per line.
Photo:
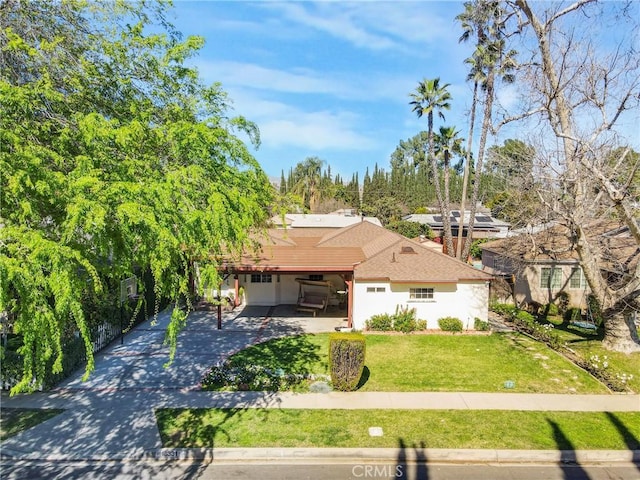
x=465 y=175
x=620 y=332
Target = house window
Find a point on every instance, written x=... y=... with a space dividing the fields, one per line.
x=376 y=289
x=260 y=278
x=421 y=293
x=316 y=278
x=550 y=278
x=577 y=280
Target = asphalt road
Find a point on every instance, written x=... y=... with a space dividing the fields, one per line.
x=303 y=471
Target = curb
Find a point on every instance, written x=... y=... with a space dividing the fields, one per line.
x=409 y=454
x=349 y=455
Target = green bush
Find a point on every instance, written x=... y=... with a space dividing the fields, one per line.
x=405 y=320
x=594 y=308
x=525 y=318
x=450 y=324
x=562 y=301
x=507 y=309
x=480 y=325
x=381 y=323
x=346 y=360
x=572 y=314
x=551 y=309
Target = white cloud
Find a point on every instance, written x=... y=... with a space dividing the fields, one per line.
x=284 y=125
x=261 y=78
x=315 y=131
x=374 y=25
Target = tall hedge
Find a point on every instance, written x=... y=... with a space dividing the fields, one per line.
x=346 y=355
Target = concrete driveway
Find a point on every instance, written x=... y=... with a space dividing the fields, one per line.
x=111 y=414
x=139 y=363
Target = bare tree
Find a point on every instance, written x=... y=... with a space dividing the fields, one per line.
x=580 y=91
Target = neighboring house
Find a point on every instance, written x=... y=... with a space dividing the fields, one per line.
x=484 y=226
x=364 y=268
x=342 y=218
x=539 y=266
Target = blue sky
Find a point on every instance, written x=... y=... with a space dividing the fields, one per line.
x=328 y=79
x=331 y=79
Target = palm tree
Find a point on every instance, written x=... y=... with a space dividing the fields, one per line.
x=430 y=97
x=486 y=19
x=308 y=177
x=447 y=142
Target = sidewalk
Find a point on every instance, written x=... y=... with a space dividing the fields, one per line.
x=112 y=415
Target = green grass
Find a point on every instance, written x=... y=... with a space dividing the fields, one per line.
x=193 y=428
x=588 y=343
x=15 y=420
x=436 y=363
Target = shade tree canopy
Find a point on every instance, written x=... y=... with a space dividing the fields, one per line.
x=115 y=157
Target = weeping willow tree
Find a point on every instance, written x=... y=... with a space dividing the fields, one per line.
x=114 y=156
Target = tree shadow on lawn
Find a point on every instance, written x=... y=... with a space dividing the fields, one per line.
x=293 y=354
x=15 y=420
x=208 y=427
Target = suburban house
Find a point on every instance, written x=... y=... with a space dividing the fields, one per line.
x=484 y=226
x=538 y=266
x=338 y=219
x=362 y=268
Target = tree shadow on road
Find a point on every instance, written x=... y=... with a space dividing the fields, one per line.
x=408 y=458
x=568 y=463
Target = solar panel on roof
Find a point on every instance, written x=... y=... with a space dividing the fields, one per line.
x=484 y=219
x=437 y=218
x=455 y=214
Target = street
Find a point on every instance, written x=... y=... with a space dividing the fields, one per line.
x=18 y=470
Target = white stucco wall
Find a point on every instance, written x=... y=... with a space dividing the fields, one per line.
x=465 y=301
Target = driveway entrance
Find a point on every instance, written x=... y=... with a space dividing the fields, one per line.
x=139 y=362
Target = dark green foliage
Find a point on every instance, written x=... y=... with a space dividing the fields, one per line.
x=572 y=314
x=594 y=309
x=410 y=229
x=450 y=324
x=480 y=325
x=562 y=301
x=346 y=357
x=475 y=250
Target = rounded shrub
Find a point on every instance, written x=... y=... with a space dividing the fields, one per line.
x=450 y=324
x=381 y=323
x=346 y=360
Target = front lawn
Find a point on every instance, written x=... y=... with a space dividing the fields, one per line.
x=194 y=428
x=15 y=420
x=587 y=344
x=410 y=363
